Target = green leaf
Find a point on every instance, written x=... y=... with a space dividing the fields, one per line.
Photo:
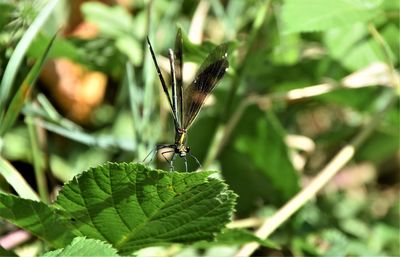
x=390 y=33
x=197 y=53
x=384 y=236
x=61 y=48
x=82 y=246
x=16 y=145
x=115 y=22
x=4 y=252
x=287 y=52
x=387 y=143
x=131 y=206
x=352 y=47
x=315 y=15
x=112 y=21
x=6 y=10
x=301 y=247
x=35 y=217
x=269 y=153
x=20 y=50
x=357 y=98
x=355 y=227
x=131 y=48
x=337 y=240
x=237 y=237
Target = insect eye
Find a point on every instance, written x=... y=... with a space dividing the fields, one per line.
x=187 y=149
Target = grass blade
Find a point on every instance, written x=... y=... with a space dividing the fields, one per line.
x=23 y=92
x=14 y=178
x=19 y=52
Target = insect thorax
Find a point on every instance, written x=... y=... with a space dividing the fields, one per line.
x=180 y=141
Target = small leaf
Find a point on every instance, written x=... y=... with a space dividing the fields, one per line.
x=352 y=47
x=4 y=252
x=82 y=246
x=382 y=236
x=61 y=48
x=355 y=227
x=316 y=15
x=112 y=21
x=269 y=154
x=237 y=237
x=131 y=206
x=35 y=217
x=131 y=48
x=287 y=52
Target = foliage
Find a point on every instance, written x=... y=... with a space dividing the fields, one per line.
x=84 y=247
x=306 y=78
x=128 y=206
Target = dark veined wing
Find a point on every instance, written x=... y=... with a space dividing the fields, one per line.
x=178 y=72
x=163 y=84
x=210 y=72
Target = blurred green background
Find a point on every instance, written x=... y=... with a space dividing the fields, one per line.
x=305 y=78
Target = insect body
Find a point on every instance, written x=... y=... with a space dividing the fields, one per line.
x=188 y=102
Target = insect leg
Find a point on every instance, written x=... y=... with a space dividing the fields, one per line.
x=186 y=166
x=194 y=157
x=172 y=168
x=169 y=161
x=154 y=150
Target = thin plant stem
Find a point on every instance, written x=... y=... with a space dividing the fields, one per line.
x=386 y=52
x=245 y=223
x=37 y=158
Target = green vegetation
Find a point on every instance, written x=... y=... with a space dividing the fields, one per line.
x=299 y=143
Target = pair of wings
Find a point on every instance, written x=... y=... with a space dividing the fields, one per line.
x=189 y=101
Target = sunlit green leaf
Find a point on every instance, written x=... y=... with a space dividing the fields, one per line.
x=112 y=21
x=131 y=206
x=61 y=48
x=81 y=246
x=315 y=15
x=36 y=217
x=237 y=237
x=269 y=153
x=353 y=47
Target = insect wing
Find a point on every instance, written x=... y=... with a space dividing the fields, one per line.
x=178 y=72
x=210 y=72
x=163 y=84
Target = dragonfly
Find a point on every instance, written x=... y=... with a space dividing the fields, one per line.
x=186 y=103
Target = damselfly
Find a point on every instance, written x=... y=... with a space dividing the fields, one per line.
x=186 y=102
